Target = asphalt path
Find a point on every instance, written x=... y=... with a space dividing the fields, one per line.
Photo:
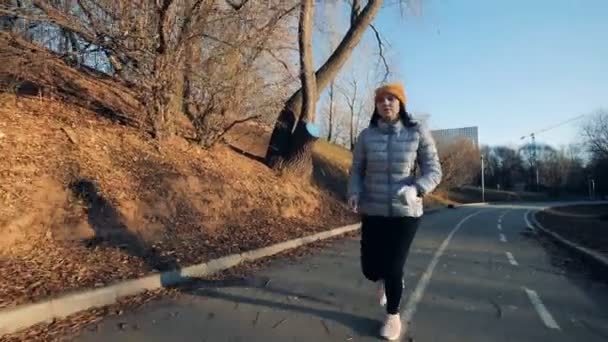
x=475 y=273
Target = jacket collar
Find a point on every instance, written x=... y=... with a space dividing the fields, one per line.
x=390 y=128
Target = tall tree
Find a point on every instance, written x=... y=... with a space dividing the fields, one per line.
x=331 y=112
x=163 y=58
x=292 y=131
x=305 y=133
x=595 y=130
x=351 y=95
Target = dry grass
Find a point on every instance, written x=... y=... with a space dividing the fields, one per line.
x=338 y=156
x=586 y=225
x=86 y=201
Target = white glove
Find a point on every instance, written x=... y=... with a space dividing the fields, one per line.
x=408 y=194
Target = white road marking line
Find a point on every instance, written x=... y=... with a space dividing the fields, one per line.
x=502 y=216
x=541 y=309
x=416 y=296
x=503 y=238
x=512 y=259
x=528 y=221
x=499 y=226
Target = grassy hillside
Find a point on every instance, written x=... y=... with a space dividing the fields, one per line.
x=85 y=201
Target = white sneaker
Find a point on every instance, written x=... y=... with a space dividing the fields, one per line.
x=391 y=330
x=381 y=294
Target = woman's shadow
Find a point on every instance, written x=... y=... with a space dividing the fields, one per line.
x=362 y=326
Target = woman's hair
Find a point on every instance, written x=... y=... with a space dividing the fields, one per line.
x=404 y=116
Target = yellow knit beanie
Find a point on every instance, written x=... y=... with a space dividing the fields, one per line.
x=394 y=89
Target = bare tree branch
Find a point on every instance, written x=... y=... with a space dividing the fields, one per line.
x=355 y=11
x=381 y=53
x=337 y=59
x=238 y=122
x=282 y=62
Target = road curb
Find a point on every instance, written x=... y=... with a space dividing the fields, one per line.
x=23 y=316
x=597 y=260
x=474 y=204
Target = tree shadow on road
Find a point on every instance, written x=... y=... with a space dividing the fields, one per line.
x=110 y=229
x=362 y=326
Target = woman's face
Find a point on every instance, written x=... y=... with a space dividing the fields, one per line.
x=387 y=106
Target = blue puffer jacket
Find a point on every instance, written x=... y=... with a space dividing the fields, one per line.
x=382 y=170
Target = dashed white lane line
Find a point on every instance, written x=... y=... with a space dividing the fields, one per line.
x=503 y=238
x=502 y=216
x=512 y=259
x=542 y=311
x=416 y=296
x=499 y=226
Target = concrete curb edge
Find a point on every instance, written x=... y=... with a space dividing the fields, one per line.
x=23 y=316
x=475 y=204
x=585 y=252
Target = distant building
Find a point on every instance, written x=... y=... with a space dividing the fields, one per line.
x=422 y=118
x=447 y=136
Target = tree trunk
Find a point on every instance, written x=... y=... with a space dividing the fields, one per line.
x=278 y=150
x=299 y=157
x=352 y=130
x=331 y=111
x=309 y=83
x=353 y=127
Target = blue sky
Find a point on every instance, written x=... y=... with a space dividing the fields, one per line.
x=510 y=67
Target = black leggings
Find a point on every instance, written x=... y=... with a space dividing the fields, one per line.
x=385 y=243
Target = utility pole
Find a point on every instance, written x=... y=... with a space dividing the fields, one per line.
x=535 y=160
x=533 y=152
x=483 y=183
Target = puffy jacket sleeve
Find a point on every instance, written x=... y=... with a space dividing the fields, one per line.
x=357 y=169
x=428 y=160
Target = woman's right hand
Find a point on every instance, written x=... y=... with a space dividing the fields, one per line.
x=353 y=203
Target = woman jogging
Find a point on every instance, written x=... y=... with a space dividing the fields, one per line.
x=384 y=189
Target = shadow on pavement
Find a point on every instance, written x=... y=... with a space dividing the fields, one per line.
x=363 y=326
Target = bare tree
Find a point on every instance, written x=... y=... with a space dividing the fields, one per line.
x=595 y=131
x=336 y=112
x=329 y=28
x=331 y=113
x=300 y=155
x=459 y=161
x=175 y=56
x=351 y=95
x=290 y=131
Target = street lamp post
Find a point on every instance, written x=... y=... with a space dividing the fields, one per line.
x=483 y=183
x=591 y=189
